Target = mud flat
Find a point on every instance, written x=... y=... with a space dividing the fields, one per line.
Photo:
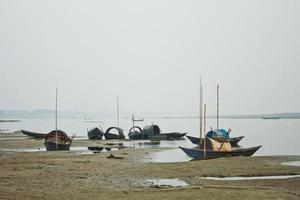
x=71 y=175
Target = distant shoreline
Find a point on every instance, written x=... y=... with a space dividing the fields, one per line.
x=9 y=120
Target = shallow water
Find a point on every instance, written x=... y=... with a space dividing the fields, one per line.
x=166 y=182
x=240 y=178
x=268 y=133
x=292 y=163
x=168 y=156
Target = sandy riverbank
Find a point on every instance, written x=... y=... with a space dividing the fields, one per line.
x=68 y=175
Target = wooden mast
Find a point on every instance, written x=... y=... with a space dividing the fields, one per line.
x=204 y=131
x=118 y=122
x=132 y=120
x=200 y=111
x=56 y=138
x=218 y=106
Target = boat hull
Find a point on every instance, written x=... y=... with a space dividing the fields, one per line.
x=198 y=154
x=95 y=134
x=166 y=136
x=112 y=136
x=135 y=136
x=233 y=141
x=38 y=136
x=51 y=146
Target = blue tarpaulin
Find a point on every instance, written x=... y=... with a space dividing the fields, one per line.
x=218 y=133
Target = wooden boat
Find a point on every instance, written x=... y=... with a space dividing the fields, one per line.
x=111 y=136
x=199 y=154
x=35 y=135
x=57 y=140
x=135 y=133
x=233 y=141
x=152 y=132
x=95 y=148
x=166 y=136
x=95 y=134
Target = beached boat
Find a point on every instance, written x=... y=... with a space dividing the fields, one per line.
x=233 y=141
x=35 y=135
x=57 y=140
x=95 y=134
x=152 y=132
x=199 y=153
x=111 y=136
x=135 y=133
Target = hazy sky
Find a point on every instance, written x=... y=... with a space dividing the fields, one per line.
x=151 y=54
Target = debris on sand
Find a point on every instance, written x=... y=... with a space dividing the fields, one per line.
x=111 y=156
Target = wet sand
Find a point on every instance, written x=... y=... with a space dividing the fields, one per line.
x=69 y=175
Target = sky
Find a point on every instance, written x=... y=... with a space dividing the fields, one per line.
x=151 y=54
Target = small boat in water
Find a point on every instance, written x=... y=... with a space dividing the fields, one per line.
x=199 y=154
x=152 y=132
x=111 y=136
x=233 y=141
x=95 y=134
x=215 y=144
x=57 y=140
x=35 y=135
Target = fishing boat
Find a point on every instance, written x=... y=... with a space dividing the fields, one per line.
x=135 y=133
x=209 y=148
x=153 y=132
x=35 y=135
x=57 y=140
x=233 y=141
x=111 y=136
x=95 y=134
x=200 y=154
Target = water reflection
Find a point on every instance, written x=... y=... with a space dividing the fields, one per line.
x=240 y=178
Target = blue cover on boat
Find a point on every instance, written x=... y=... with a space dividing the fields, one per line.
x=218 y=133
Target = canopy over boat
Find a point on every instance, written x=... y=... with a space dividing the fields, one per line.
x=218 y=133
x=151 y=130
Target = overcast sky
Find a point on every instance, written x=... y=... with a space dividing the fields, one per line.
x=151 y=54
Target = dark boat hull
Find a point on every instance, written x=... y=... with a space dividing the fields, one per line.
x=50 y=146
x=136 y=136
x=233 y=141
x=38 y=136
x=95 y=134
x=165 y=136
x=111 y=136
x=198 y=154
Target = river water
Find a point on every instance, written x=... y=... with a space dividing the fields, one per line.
x=277 y=137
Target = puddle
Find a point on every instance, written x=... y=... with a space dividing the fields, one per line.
x=166 y=182
x=292 y=163
x=168 y=156
x=154 y=144
x=240 y=178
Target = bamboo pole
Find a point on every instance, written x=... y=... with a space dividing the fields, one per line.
x=132 y=120
x=204 y=131
x=218 y=106
x=200 y=111
x=118 y=121
x=56 y=137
